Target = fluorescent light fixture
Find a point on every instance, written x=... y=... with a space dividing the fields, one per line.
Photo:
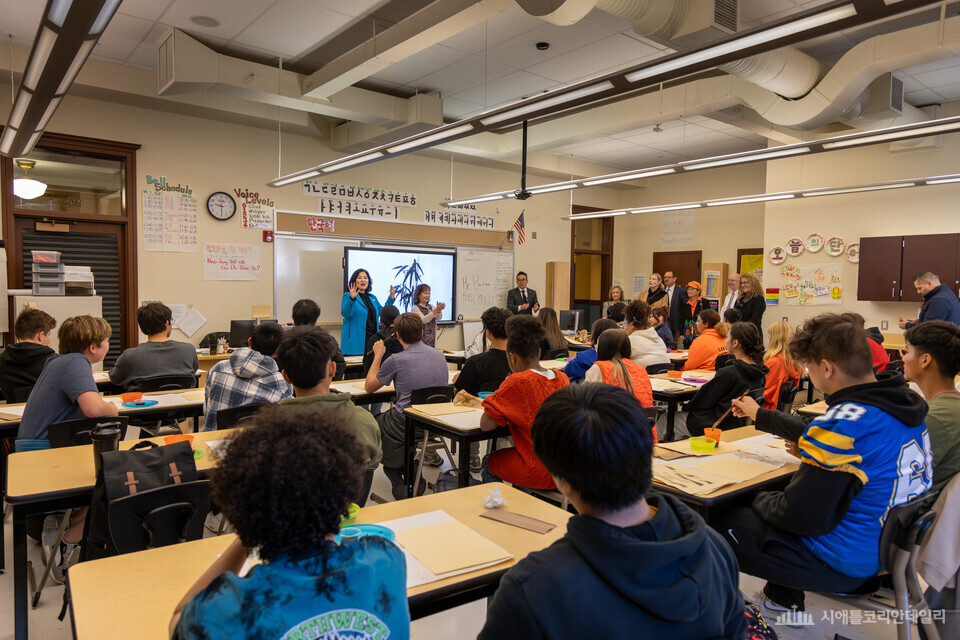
x=58 y=11
x=623 y=177
x=496 y=196
x=39 y=60
x=872 y=187
x=549 y=188
x=559 y=99
x=109 y=7
x=893 y=135
x=739 y=159
x=763 y=198
x=810 y=22
x=8 y=135
x=32 y=142
x=604 y=214
x=49 y=113
x=74 y=69
x=296 y=178
x=943 y=180
x=670 y=207
x=19 y=108
x=440 y=135
x=352 y=161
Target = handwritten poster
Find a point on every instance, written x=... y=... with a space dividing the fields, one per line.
x=369 y=195
x=231 y=261
x=350 y=209
x=676 y=229
x=256 y=216
x=639 y=284
x=169 y=221
x=812 y=284
x=454 y=219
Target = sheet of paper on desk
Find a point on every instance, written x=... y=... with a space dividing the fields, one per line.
x=659 y=384
x=735 y=468
x=101 y=376
x=760 y=449
x=466 y=420
x=218 y=446
x=441 y=409
x=195 y=396
x=353 y=359
x=689 y=480
x=450 y=546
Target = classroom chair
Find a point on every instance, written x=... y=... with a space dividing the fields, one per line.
x=236 y=416
x=22 y=394
x=895 y=365
x=722 y=360
x=71 y=433
x=432 y=395
x=788 y=393
x=661 y=367
x=165 y=383
x=553 y=354
x=900 y=541
x=159 y=517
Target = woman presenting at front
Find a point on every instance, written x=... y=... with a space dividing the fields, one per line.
x=428 y=313
x=361 y=312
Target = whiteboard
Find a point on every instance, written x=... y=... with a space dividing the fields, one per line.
x=308 y=267
x=483 y=279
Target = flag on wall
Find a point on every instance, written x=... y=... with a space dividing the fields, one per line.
x=518 y=225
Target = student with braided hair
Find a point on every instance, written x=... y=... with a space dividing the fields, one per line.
x=745 y=373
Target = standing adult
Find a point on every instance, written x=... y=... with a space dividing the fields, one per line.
x=733 y=284
x=691 y=311
x=676 y=297
x=616 y=295
x=428 y=313
x=939 y=302
x=522 y=299
x=750 y=302
x=361 y=313
x=654 y=295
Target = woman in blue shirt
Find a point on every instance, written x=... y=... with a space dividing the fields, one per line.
x=361 y=312
x=576 y=369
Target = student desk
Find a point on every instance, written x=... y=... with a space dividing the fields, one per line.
x=354 y=368
x=53 y=479
x=102 y=378
x=813 y=410
x=361 y=397
x=458 y=358
x=462 y=428
x=133 y=595
x=673 y=398
x=576 y=345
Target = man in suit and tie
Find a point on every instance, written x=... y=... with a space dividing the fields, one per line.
x=733 y=283
x=677 y=297
x=522 y=299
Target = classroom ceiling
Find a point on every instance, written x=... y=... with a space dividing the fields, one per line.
x=488 y=58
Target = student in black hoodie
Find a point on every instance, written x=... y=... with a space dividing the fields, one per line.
x=870 y=451
x=387 y=333
x=630 y=565
x=22 y=363
x=745 y=373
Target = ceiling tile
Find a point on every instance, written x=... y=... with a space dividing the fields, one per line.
x=22 y=19
x=144 y=58
x=594 y=147
x=936 y=65
x=234 y=15
x=760 y=11
x=504 y=26
x=670 y=133
x=514 y=86
x=420 y=64
x=459 y=109
x=122 y=37
x=923 y=97
x=353 y=8
x=950 y=92
x=606 y=55
x=144 y=9
x=463 y=75
x=938 y=77
x=561 y=39
x=292 y=27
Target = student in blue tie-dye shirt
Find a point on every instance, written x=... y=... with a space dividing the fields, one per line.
x=283 y=483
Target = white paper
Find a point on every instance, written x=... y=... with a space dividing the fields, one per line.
x=465 y=420
x=758 y=449
x=191 y=322
x=676 y=229
x=639 y=283
x=231 y=261
x=218 y=446
x=177 y=312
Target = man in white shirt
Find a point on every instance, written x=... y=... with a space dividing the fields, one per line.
x=522 y=299
x=733 y=283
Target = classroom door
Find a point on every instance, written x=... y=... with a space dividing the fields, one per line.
x=685 y=264
x=591 y=264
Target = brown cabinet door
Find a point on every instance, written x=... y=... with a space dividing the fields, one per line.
x=934 y=253
x=879 y=270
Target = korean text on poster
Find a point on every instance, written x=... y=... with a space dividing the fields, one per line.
x=350 y=209
x=369 y=195
x=455 y=219
x=231 y=261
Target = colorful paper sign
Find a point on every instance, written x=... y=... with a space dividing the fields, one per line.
x=835 y=246
x=852 y=252
x=794 y=247
x=790 y=292
x=772 y=297
x=813 y=242
x=777 y=255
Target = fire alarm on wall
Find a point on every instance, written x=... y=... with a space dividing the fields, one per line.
x=268 y=235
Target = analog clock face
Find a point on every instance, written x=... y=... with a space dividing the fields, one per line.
x=221 y=205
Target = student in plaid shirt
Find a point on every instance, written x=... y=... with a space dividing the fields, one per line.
x=250 y=376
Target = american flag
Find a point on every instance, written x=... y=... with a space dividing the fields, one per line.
x=518 y=225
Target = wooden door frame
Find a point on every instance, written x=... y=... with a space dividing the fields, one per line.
x=746 y=252
x=606 y=266
x=122 y=151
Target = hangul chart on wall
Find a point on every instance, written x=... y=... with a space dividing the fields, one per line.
x=169 y=222
x=811 y=284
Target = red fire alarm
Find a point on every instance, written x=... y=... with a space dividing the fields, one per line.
x=268 y=235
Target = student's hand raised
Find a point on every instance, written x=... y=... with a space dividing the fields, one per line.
x=745 y=407
x=354 y=290
x=379 y=348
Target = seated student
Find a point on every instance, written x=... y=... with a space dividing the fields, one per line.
x=867 y=453
x=249 y=376
x=305 y=360
x=648 y=347
x=616 y=312
x=781 y=367
x=745 y=373
x=632 y=564
x=158 y=356
x=553 y=336
x=515 y=404
x=576 y=368
x=22 y=362
x=874 y=341
x=660 y=320
x=308 y=584
x=416 y=367
x=932 y=360
x=306 y=312
x=614 y=366
x=711 y=342
x=732 y=316
x=485 y=371
x=387 y=333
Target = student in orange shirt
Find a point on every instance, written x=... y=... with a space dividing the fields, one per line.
x=614 y=367
x=777 y=359
x=515 y=404
x=710 y=343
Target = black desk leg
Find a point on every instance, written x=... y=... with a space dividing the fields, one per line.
x=19 y=573
x=408 y=447
x=3 y=494
x=809 y=392
x=671 y=415
x=463 y=475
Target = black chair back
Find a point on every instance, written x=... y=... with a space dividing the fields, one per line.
x=895 y=365
x=661 y=367
x=433 y=395
x=722 y=360
x=490 y=386
x=756 y=394
x=903 y=529
x=788 y=393
x=71 y=433
x=553 y=354
x=159 y=517
x=22 y=394
x=230 y=418
x=167 y=383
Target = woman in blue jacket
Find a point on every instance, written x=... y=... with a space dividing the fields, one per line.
x=361 y=312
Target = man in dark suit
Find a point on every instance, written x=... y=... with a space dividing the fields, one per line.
x=522 y=299
x=677 y=297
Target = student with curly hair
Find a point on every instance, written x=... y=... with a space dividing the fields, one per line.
x=647 y=346
x=515 y=404
x=307 y=582
x=711 y=342
x=745 y=373
x=576 y=368
x=750 y=303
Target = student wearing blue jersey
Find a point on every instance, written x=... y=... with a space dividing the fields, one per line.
x=869 y=452
x=283 y=483
x=576 y=369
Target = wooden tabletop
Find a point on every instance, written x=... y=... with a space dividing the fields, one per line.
x=815 y=409
x=134 y=595
x=894 y=342
x=466 y=421
x=48 y=472
x=13 y=413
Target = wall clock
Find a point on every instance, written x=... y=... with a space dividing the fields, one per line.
x=221 y=205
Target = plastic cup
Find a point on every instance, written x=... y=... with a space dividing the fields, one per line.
x=483 y=395
x=131 y=396
x=701 y=444
x=182 y=437
x=351 y=517
x=713 y=433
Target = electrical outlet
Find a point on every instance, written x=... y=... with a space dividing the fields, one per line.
x=784 y=318
x=534 y=235
x=884 y=325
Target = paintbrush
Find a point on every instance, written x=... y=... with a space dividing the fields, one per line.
x=725 y=413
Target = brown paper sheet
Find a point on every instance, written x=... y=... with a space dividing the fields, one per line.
x=441 y=409
x=666 y=454
x=450 y=546
x=736 y=469
x=689 y=480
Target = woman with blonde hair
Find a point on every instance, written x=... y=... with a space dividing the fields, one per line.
x=777 y=359
x=616 y=295
x=654 y=295
x=711 y=342
x=751 y=303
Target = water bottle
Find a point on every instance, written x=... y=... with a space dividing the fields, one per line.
x=105 y=437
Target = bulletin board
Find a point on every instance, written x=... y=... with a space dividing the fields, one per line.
x=811 y=284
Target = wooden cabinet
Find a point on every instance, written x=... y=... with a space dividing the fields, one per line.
x=889 y=264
